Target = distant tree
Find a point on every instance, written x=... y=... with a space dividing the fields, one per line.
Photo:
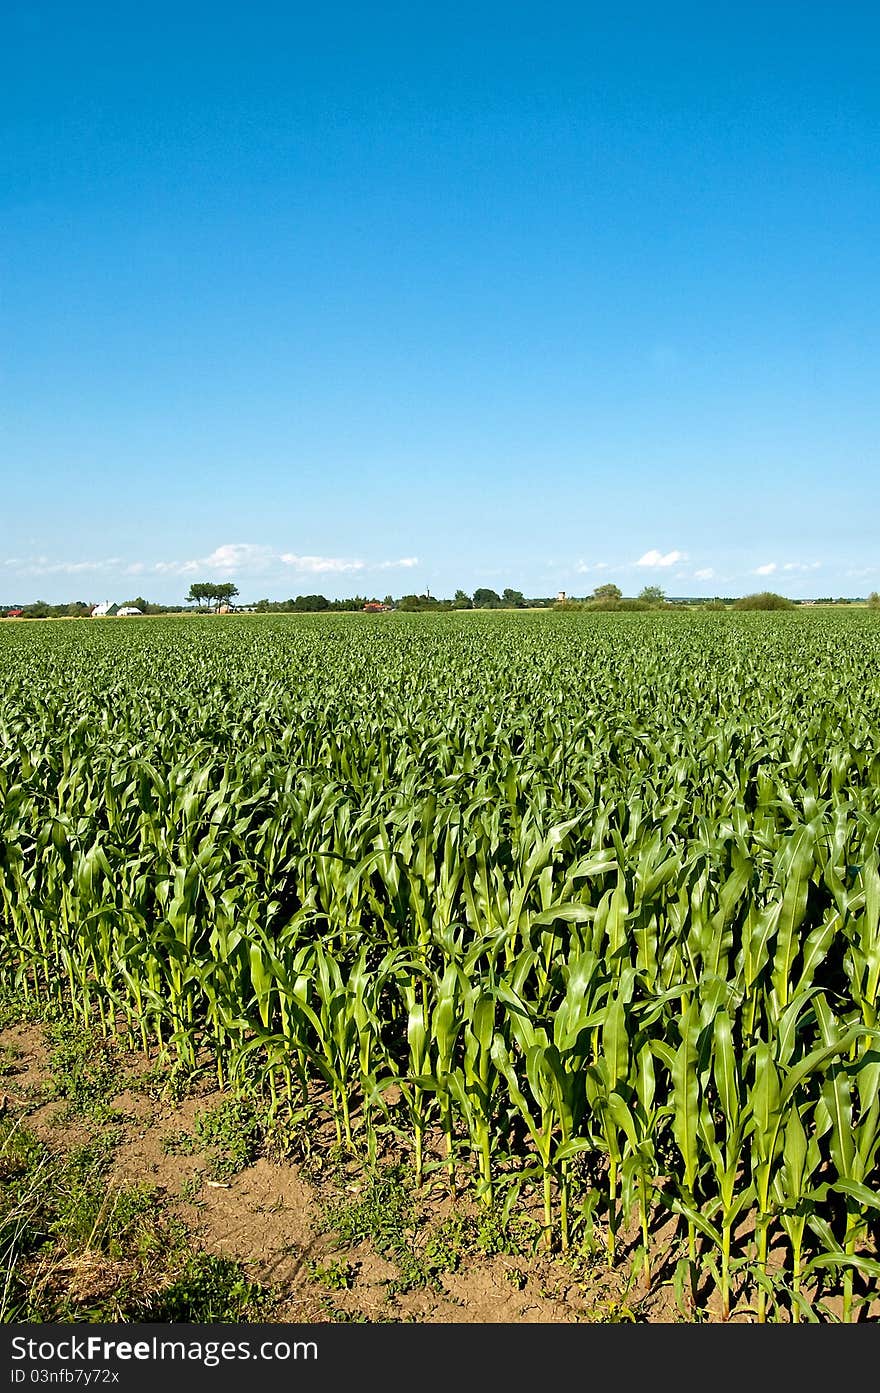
x=514 y=599
x=199 y=593
x=608 y=592
x=389 y=601
x=764 y=599
x=874 y=600
x=409 y=603
x=653 y=594
x=461 y=600
x=354 y=603
x=486 y=599
x=222 y=594
x=311 y=602
x=137 y=603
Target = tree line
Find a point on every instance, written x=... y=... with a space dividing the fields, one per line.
x=209 y=596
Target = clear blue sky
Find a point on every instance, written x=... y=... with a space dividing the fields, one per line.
x=389 y=296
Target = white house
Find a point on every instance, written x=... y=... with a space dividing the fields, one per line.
x=128 y=609
x=104 y=609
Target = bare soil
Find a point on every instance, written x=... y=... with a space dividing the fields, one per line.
x=271 y=1217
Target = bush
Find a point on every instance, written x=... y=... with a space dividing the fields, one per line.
x=610 y=605
x=874 y=600
x=766 y=599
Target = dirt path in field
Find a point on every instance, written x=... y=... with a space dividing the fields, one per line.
x=271 y=1215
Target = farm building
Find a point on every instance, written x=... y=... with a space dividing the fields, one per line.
x=104 y=610
x=127 y=610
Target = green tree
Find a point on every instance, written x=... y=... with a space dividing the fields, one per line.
x=653 y=594
x=514 y=599
x=461 y=600
x=224 y=593
x=764 y=599
x=311 y=602
x=486 y=599
x=200 y=592
x=608 y=591
x=874 y=600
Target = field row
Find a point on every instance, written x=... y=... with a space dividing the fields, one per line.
x=583 y=902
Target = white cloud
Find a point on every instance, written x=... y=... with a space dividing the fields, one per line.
x=583 y=567
x=802 y=565
x=706 y=573
x=176 y=568
x=656 y=558
x=239 y=556
x=766 y=570
x=319 y=565
x=42 y=566
x=239 y=559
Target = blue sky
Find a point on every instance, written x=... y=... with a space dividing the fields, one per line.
x=399 y=296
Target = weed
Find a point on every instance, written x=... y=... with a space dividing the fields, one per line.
x=334 y=1275
x=230 y=1134
x=448 y=1243
x=211 y=1290
x=167 y=1081
x=497 y=1233
x=612 y=1312
x=384 y=1213
x=381 y=1212
x=89 y=1213
x=20 y=1008
x=339 y=1316
x=9 y=1061
x=85 y=1070
x=191 y=1187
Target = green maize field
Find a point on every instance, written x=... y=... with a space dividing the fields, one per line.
x=584 y=907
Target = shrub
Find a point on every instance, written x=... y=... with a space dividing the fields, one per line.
x=766 y=599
